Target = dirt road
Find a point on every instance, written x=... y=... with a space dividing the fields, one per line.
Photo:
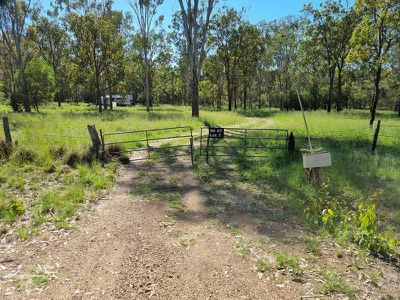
x=130 y=249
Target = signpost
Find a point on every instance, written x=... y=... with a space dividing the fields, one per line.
x=313 y=160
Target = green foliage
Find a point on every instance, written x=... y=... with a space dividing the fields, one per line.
x=359 y=225
x=40 y=82
x=2 y=96
x=10 y=208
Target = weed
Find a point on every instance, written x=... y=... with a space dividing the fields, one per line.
x=10 y=208
x=173 y=181
x=374 y=278
x=335 y=284
x=291 y=263
x=24 y=155
x=313 y=246
x=168 y=221
x=58 y=206
x=175 y=233
x=3 y=230
x=263 y=266
x=57 y=152
x=233 y=226
x=244 y=250
x=187 y=242
x=22 y=233
x=37 y=277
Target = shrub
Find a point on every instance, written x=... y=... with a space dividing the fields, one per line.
x=5 y=150
x=24 y=155
x=72 y=159
x=360 y=225
x=57 y=152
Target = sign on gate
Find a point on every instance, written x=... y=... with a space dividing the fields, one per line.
x=241 y=142
x=216 y=133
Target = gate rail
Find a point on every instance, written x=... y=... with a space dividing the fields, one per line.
x=131 y=144
x=241 y=141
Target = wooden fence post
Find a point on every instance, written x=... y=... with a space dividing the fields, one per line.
x=291 y=143
x=94 y=136
x=376 y=135
x=7 y=132
x=102 y=140
x=207 y=149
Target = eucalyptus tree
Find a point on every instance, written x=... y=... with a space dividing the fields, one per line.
x=330 y=32
x=97 y=43
x=195 y=16
x=251 y=48
x=145 y=12
x=14 y=20
x=283 y=40
x=225 y=38
x=374 y=37
x=52 y=40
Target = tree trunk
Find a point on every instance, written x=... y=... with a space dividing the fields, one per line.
x=398 y=108
x=330 y=92
x=235 y=96
x=147 y=82
x=339 y=90
x=195 y=95
x=220 y=91
x=230 y=96
x=376 y=94
x=244 y=97
x=111 y=99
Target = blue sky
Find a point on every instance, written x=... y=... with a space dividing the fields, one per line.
x=256 y=10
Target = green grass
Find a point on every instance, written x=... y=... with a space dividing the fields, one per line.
x=48 y=141
x=356 y=173
x=289 y=262
x=334 y=283
x=35 y=177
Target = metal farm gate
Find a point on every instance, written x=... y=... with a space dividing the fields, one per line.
x=241 y=142
x=152 y=143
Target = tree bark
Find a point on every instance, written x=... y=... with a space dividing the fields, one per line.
x=330 y=92
x=376 y=94
x=244 y=97
x=339 y=90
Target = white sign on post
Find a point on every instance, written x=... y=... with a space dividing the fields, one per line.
x=317 y=160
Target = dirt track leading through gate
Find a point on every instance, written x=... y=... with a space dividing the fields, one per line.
x=127 y=250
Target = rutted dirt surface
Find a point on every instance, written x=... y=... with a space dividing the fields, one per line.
x=125 y=252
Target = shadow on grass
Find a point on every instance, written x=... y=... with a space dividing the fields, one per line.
x=268 y=195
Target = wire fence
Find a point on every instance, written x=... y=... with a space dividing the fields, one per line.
x=355 y=139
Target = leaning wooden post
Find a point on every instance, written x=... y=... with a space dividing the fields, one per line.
x=376 y=135
x=7 y=132
x=94 y=136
